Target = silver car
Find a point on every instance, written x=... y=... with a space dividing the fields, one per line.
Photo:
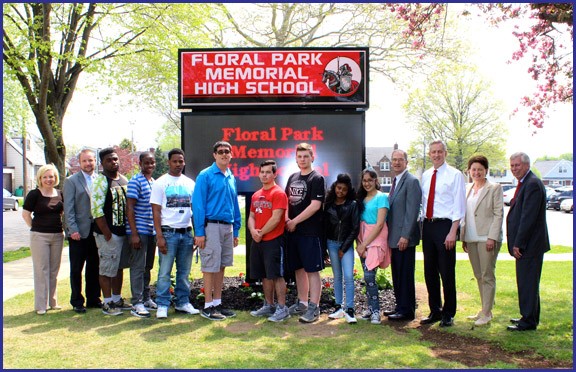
x=10 y=201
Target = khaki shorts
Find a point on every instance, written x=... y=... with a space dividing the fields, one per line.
x=219 y=248
x=111 y=254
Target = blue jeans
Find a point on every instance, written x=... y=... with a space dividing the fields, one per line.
x=179 y=248
x=342 y=268
x=371 y=287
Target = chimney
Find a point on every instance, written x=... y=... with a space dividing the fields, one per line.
x=396 y=146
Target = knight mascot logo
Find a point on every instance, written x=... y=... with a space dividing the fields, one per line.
x=342 y=75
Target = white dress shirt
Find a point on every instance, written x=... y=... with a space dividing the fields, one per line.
x=450 y=194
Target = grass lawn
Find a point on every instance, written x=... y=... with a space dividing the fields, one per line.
x=63 y=339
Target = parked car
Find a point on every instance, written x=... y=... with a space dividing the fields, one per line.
x=567 y=205
x=508 y=186
x=10 y=201
x=555 y=199
x=508 y=195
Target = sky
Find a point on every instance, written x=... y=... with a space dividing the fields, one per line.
x=91 y=121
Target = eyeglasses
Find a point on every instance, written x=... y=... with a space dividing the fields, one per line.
x=222 y=152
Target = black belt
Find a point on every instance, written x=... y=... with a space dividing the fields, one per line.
x=432 y=220
x=181 y=230
x=219 y=222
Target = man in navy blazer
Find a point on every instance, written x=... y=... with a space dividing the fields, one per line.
x=403 y=236
x=527 y=236
x=78 y=226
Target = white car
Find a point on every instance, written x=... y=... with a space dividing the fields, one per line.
x=567 y=205
x=508 y=195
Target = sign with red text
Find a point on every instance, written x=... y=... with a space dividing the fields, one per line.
x=267 y=77
x=337 y=139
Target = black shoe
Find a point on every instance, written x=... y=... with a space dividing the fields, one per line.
x=389 y=312
x=212 y=314
x=97 y=305
x=447 y=321
x=514 y=321
x=399 y=317
x=79 y=309
x=518 y=327
x=226 y=312
x=431 y=319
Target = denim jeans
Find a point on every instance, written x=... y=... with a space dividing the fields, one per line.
x=179 y=248
x=371 y=287
x=342 y=268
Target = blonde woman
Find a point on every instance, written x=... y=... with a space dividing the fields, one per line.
x=482 y=233
x=42 y=212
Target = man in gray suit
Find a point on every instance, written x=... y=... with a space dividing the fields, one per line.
x=403 y=236
x=79 y=227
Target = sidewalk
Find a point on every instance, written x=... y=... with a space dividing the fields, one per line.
x=18 y=275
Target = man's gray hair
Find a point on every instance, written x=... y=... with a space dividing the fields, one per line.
x=439 y=141
x=402 y=152
x=524 y=158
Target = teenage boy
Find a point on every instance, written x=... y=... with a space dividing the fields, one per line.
x=305 y=190
x=266 y=224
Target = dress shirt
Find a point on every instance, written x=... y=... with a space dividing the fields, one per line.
x=399 y=176
x=89 y=179
x=450 y=195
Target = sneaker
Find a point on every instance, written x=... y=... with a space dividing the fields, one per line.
x=226 y=312
x=140 y=311
x=150 y=305
x=111 y=309
x=366 y=315
x=349 y=315
x=280 y=314
x=188 y=309
x=266 y=310
x=162 y=312
x=212 y=314
x=474 y=317
x=375 y=318
x=338 y=314
x=483 y=320
x=297 y=309
x=122 y=304
x=311 y=314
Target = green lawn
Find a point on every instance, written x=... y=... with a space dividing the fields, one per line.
x=63 y=339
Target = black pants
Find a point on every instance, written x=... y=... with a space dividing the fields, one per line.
x=84 y=251
x=439 y=263
x=528 y=273
x=403 y=266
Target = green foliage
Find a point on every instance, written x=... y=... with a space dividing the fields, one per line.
x=566 y=156
x=457 y=106
x=9 y=256
x=383 y=279
x=127 y=144
x=161 y=163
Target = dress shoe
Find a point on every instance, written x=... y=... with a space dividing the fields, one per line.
x=447 y=321
x=97 y=305
x=399 y=317
x=79 y=309
x=432 y=318
x=518 y=327
x=389 y=312
x=514 y=321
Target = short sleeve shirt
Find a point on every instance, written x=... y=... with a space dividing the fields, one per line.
x=370 y=213
x=174 y=194
x=264 y=202
x=46 y=211
x=139 y=188
x=109 y=201
x=301 y=190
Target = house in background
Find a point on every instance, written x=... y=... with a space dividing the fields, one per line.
x=13 y=164
x=556 y=173
x=379 y=159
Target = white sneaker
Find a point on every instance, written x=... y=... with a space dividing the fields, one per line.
x=338 y=314
x=349 y=315
x=140 y=311
x=375 y=318
x=483 y=320
x=162 y=312
x=186 y=308
x=150 y=305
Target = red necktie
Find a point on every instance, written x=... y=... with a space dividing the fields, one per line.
x=392 y=188
x=430 y=205
x=516 y=192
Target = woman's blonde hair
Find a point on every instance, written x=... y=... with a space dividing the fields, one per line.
x=45 y=168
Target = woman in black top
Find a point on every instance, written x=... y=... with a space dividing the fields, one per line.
x=42 y=211
x=341 y=224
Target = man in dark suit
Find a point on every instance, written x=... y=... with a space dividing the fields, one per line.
x=403 y=236
x=78 y=221
x=527 y=236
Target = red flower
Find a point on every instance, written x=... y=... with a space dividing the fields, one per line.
x=355 y=271
x=171 y=290
x=327 y=285
x=245 y=284
x=202 y=290
x=241 y=275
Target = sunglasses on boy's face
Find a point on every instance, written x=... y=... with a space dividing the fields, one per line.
x=222 y=152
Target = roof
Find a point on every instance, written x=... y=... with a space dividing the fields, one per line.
x=375 y=154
